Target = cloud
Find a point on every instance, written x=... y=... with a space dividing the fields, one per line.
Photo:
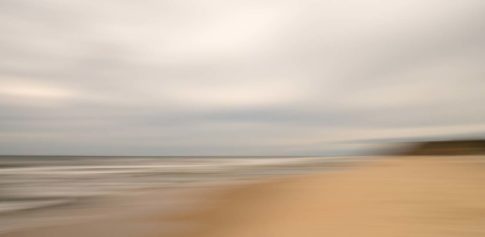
x=236 y=77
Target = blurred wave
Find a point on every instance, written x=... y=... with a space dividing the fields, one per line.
x=39 y=182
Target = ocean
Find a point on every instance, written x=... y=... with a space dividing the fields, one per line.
x=29 y=183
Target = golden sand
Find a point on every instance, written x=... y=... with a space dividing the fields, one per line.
x=432 y=197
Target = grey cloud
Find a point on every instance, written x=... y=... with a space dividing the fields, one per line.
x=235 y=77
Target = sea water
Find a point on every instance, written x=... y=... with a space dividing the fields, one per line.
x=29 y=183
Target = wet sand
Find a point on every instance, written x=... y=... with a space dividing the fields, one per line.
x=407 y=196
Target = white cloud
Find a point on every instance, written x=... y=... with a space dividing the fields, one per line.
x=34 y=93
x=210 y=75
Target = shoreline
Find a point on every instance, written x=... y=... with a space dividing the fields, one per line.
x=82 y=209
x=395 y=196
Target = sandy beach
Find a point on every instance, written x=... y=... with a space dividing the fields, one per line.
x=419 y=196
x=398 y=196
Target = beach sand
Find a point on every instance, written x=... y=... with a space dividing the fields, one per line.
x=410 y=196
x=398 y=196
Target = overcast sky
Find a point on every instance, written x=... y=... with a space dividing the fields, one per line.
x=245 y=77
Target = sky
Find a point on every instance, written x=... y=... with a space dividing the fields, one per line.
x=237 y=77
